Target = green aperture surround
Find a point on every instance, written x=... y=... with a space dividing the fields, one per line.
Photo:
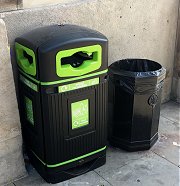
x=66 y=70
x=78 y=85
x=80 y=113
x=26 y=59
x=29 y=110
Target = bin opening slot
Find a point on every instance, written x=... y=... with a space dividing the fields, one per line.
x=78 y=61
x=77 y=58
x=28 y=57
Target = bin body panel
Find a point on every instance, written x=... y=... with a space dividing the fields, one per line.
x=142 y=118
x=156 y=111
x=122 y=124
x=59 y=135
x=32 y=132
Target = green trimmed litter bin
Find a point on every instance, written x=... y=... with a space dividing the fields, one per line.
x=63 y=99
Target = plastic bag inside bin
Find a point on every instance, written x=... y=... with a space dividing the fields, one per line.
x=137 y=68
x=124 y=72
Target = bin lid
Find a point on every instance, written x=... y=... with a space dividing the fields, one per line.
x=52 y=34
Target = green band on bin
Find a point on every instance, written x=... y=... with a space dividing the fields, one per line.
x=78 y=85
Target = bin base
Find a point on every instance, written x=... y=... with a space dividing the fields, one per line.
x=133 y=145
x=59 y=174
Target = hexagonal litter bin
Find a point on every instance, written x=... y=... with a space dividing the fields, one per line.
x=135 y=87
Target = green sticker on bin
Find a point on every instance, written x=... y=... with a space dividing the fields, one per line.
x=29 y=110
x=80 y=113
x=81 y=84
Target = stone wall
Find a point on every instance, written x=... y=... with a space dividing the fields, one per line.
x=176 y=76
x=135 y=29
x=11 y=5
x=8 y=5
x=11 y=160
x=34 y=3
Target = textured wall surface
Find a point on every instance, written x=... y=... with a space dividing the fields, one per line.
x=176 y=76
x=8 y=5
x=135 y=29
x=11 y=5
x=11 y=160
x=40 y=3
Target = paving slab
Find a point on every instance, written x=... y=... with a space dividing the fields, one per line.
x=168 y=145
x=171 y=111
x=148 y=170
x=11 y=160
x=90 y=179
x=117 y=158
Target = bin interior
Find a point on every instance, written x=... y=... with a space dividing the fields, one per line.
x=77 y=59
x=138 y=65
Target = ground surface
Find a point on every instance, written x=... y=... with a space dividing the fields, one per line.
x=156 y=167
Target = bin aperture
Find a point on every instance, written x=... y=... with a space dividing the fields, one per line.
x=78 y=61
x=63 y=99
x=26 y=59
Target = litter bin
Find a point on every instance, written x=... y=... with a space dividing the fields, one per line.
x=135 y=87
x=62 y=99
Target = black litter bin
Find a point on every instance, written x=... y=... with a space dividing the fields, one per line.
x=62 y=72
x=135 y=87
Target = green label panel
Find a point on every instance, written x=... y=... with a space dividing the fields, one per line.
x=80 y=113
x=82 y=84
x=29 y=110
x=29 y=83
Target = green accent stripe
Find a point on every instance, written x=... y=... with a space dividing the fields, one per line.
x=78 y=85
x=72 y=160
x=73 y=79
x=33 y=79
x=65 y=80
